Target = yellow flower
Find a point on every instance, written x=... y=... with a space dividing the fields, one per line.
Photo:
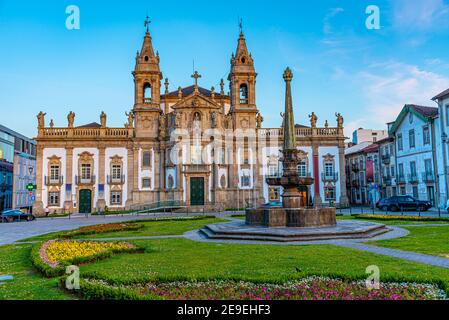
x=60 y=251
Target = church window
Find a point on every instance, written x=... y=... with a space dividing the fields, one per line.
x=53 y=199
x=116 y=197
x=146 y=159
x=245 y=180
x=329 y=193
x=146 y=183
x=302 y=168
x=244 y=94
x=147 y=93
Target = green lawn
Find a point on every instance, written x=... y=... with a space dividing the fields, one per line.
x=428 y=240
x=27 y=283
x=173 y=259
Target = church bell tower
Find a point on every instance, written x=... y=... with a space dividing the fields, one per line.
x=147 y=82
x=242 y=80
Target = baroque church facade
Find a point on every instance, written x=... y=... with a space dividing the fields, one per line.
x=202 y=148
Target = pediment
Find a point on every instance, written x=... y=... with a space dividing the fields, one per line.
x=196 y=101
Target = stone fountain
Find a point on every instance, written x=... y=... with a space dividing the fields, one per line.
x=293 y=212
x=293 y=221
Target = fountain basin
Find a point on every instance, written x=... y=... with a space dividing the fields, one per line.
x=288 y=217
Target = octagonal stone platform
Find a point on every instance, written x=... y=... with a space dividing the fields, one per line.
x=345 y=229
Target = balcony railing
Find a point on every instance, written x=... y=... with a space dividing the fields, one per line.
x=243 y=101
x=355 y=183
x=54 y=181
x=386 y=180
x=329 y=177
x=386 y=159
x=147 y=100
x=413 y=178
x=428 y=177
x=116 y=179
x=401 y=178
x=355 y=167
x=85 y=180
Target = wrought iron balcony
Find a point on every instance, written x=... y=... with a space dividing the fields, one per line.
x=89 y=180
x=116 y=179
x=355 y=183
x=386 y=159
x=413 y=178
x=53 y=181
x=386 y=180
x=355 y=167
x=329 y=177
x=400 y=179
x=428 y=177
x=243 y=101
x=147 y=100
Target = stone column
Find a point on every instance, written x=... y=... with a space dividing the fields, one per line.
x=316 y=176
x=344 y=201
x=38 y=205
x=101 y=202
x=68 y=188
x=130 y=178
x=136 y=175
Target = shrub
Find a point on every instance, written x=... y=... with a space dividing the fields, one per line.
x=395 y=217
x=102 y=228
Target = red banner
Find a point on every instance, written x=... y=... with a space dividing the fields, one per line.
x=369 y=171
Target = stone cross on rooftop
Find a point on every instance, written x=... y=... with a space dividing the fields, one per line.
x=196 y=76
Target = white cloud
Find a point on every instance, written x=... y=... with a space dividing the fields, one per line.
x=327 y=27
x=387 y=87
x=420 y=15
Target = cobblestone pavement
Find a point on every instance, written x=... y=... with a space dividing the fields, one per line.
x=12 y=232
x=406 y=255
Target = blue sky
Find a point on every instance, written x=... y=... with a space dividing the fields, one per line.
x=339 y=65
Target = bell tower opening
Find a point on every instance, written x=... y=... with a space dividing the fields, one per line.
x=147 y=93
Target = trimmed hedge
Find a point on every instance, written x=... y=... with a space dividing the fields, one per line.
x=83 y=231
x=382 y=217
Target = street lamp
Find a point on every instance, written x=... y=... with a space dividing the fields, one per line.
x=30 y=170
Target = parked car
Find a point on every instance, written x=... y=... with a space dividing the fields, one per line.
x=15 y=215
x=398 y=203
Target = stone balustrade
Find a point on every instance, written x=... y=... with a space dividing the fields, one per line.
x=87 y=133
x=302 y=132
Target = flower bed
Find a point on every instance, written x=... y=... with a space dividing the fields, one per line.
x=102 y=228
x=53 y=256
x=395 y=217
x=312 y=288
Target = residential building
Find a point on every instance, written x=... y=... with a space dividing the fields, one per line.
x=356 y=183
x=387 y=167
x=442 y=100
x=175 y=146
x=415 y=131
x=20 y=164
x=368 y=135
